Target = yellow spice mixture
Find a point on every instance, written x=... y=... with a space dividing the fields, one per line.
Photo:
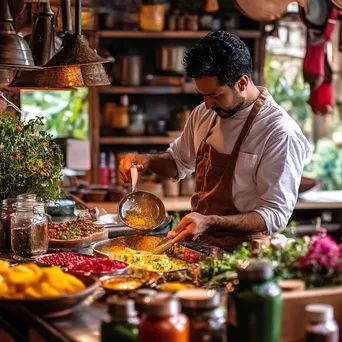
x=138 y=221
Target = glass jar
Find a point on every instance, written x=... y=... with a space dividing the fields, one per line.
x=29 y=231
x=27 y=198
x=163 y=321
x=207 y=319
x=321 y=325
x=255 y=305
x=6 y=213
x=121 y=325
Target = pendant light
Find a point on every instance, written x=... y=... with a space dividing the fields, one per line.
x=15 y=53
x=77 y=54
x=42 y=45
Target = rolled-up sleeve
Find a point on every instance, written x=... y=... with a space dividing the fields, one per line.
x=183 y=150
x=278 y=178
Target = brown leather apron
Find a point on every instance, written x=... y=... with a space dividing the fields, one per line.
x=213 y=193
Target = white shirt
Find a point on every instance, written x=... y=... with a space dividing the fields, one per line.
x=270 y=162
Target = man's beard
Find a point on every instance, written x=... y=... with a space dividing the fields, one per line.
x=228 y=113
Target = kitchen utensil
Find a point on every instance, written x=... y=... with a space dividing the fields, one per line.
x=61 y=208
x=143 y=202
x=131 y=70
x=170 y=58
x=148 y=244
x=265 y=10
x=163 y=246
x=55 y=306
x=317 y=15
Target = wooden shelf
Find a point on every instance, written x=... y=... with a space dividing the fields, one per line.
x=131 y=140
x=248 y=34
x=147 y=90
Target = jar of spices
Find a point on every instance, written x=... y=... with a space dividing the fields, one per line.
x=207 y=319
x=255 y=305
x=321 y=325
x=171 y=22
x=29 y=231
x=163 y=321
x=122 y=322
x=192 y=22
x=181 y=19
x=6 y=213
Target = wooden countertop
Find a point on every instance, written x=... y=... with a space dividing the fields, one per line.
x=324 y=200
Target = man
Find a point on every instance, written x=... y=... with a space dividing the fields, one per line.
x=247 y=153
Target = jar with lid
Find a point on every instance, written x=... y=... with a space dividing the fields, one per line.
x=122 y=321
x=6 y=213
x=27 y=198
x=29 y=231
x=255 y=305
x=321 y=326
x=207 y=319
x=163 y=321
x=136 y=121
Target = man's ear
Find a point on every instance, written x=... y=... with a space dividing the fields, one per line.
x=242 y=83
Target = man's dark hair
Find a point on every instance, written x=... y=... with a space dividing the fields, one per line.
x=219 y=54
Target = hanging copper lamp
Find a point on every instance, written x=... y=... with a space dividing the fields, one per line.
x=76 y=53
x=42 y=44
x=14 y=51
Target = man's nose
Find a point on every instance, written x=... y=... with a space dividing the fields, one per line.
x=209 y=103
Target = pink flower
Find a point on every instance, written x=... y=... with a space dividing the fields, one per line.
x=323 y=253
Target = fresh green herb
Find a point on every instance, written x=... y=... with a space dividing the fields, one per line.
x=30 y=162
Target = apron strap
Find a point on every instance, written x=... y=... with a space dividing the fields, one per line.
x=247 y=127
x=211 y=126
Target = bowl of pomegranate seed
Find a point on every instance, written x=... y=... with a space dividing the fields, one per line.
x=62 y=259
x=98 y=267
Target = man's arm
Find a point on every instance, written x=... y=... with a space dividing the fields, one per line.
x=162 y=164
x=194 y=225
x=246 y=222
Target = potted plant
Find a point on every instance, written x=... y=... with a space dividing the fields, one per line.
x=30 y=161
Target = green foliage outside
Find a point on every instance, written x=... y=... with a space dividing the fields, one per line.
x=284 y=80
x=65 y=112
x=30 y=162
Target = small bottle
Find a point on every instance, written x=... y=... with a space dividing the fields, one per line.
x=103 y=169
x=255 y=305
x=163 y=322
x=207 y=319
x=112 y=169
x=121 y=325
x=321 y=326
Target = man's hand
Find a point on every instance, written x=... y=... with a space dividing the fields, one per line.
x=140 y=161
x=190 y=227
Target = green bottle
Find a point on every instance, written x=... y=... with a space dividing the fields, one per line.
x=122 y=323
x=255 y=305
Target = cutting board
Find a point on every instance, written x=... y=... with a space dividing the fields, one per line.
x=75 y=244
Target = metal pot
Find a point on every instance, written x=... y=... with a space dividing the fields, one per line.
x=131 y=70
x=170 y=58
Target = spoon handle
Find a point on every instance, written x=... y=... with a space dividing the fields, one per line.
x=134 y=176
